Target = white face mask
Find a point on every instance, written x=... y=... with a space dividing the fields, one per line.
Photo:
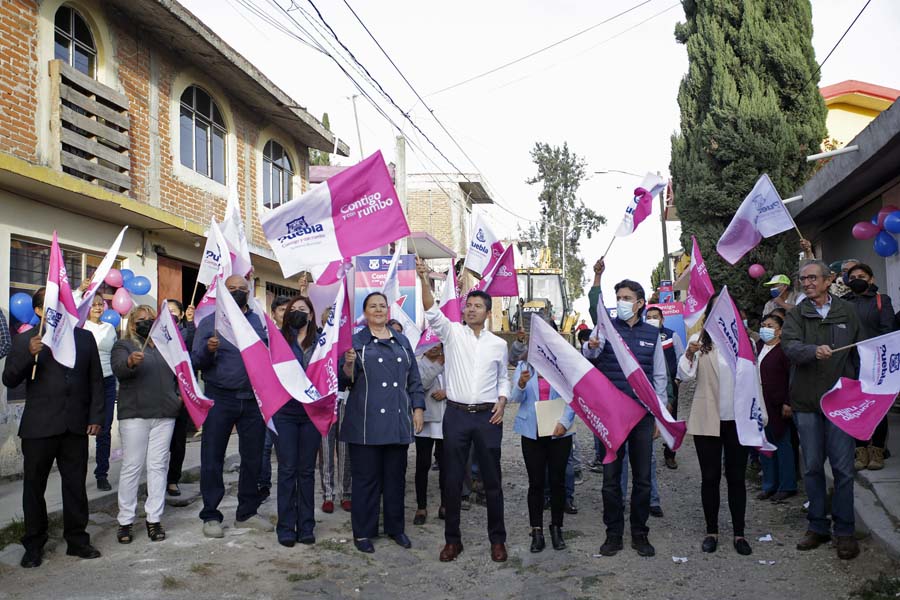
x=624 y=310
x=654 y=322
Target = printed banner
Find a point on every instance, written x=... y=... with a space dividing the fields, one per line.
x=60 y=313
x=348 y=215
x=373 y=273
x=484 y=247
x=700 y=288
x=224 y=269
x=762 y=214
x=84 y=305
x=858 y=406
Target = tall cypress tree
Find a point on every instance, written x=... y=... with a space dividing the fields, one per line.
x=750 y=104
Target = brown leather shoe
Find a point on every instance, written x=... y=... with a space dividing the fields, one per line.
x=498 y=552
x=450 y=552
x=812 y=540
x=847 y=547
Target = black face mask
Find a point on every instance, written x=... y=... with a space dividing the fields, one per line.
x=240 y=296
x=297 y=319
x=142 y=328
x=858 y=286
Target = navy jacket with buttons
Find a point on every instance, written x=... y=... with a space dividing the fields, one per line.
x=385 y=389
x=224 y=369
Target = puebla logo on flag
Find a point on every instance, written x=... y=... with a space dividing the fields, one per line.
x=298 y=228
x=480 y=235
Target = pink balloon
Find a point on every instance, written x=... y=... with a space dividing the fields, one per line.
x=756 y=271
x=122 y=301
x=114 y=278
x=866 y=230
x=883 y=213
x=23 y=328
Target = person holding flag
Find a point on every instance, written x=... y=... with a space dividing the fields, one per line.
x=643 y=341
x=228 y=385
x=297 y=440
x=812 y=332
x=148 y=407
x=478 y=386
x=63 y=406
x=178 y=447
x=384 y=408
x=712 y=423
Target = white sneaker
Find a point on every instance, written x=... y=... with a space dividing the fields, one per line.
x=255 y=522
x=213 y=529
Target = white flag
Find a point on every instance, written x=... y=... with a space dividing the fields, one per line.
x=480 y=254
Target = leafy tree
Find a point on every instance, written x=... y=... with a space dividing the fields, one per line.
x=564 y=218
x=750 y=104
x=658 y=274
x=317 y=157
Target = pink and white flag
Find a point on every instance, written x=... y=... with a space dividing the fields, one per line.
x=224 y=269
x=348 y=215
x=484 y=247
x=671 y=430
x=641 y=205
x=608 y=413
x=232 y=324
x=858 y=406
x=727 y=332
x=168 y=341
x=293 y=378
x=233 y=232
x=323 y=365
x=449 y=306
x=762 y=214
x=502 y=279
x=331 y=272
x=700 y=289
x=214 y=252
x=396 y=301
x=84 y=305
x=60 y=313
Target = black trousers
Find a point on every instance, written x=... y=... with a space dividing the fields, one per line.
x=378 y=472
x=70 y=451
x=461 y=430
x=423 y=466
x=709 y=453
x=177 y=447
x=542 y=455
x=640 y=442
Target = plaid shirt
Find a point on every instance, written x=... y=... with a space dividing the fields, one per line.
x=5 y=338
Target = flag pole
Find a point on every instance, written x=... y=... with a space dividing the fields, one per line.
x=40 y=329
x=608 y=247
x=842 y=348
x=194 y=293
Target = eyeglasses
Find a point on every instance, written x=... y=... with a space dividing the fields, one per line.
x=809 y=278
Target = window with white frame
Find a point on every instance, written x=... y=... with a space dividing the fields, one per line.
x=278 y=174
x=203 y=134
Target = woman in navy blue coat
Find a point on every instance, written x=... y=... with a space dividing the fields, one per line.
x=297 y=442
x=385 y=406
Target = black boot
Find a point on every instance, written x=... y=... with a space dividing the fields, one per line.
x=537 y=539
x=556 y=537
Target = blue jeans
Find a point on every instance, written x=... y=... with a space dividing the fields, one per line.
x=778 y=470
x=820 y=439
x=104 y=438
x=227 y=412
x=654 y=488
x=297 y=444
x=265 y=466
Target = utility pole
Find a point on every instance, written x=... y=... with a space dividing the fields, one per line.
x=400 y=177
x=665 y=236
x=356 y=118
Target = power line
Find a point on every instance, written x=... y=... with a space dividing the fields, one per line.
x=267 y=18
x=540 y=50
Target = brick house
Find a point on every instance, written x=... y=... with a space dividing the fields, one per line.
x=130 y=113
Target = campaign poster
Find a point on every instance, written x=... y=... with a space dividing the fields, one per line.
x=371 y=272
x=673 y=318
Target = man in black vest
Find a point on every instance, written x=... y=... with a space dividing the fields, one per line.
x=643 y=341
x=672 y=350
x=62 y=408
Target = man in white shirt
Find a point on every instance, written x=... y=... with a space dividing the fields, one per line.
x=477 y=386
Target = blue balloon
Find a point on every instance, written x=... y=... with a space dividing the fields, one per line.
x=112 y=317
x=892 y=222
x=20 y=307
x=126 y=274
x=875 y=220
x=138 y=286
x=885 y=245
x=34 y=320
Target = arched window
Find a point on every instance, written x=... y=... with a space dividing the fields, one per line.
x=277 y=175
x=202 y=134
x=73 y=41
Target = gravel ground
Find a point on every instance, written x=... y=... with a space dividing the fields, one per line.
x=249 y=564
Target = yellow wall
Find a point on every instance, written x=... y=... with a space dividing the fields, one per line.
x=845 y=121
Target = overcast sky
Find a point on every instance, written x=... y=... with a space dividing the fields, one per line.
x=609 y=93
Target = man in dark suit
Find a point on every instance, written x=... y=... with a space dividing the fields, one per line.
x=62 y=408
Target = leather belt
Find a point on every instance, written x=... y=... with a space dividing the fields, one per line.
x=471 y=408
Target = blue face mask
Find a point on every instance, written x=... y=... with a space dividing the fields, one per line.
x=766 y=334
x=775 y=292
x=624 y=310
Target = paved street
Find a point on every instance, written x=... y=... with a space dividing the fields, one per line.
x=248 y=564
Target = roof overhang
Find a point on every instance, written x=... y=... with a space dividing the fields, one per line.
x=859 y=93
x=427 y=246
x=475 y=192
x=182 y=33
x=848 y=180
